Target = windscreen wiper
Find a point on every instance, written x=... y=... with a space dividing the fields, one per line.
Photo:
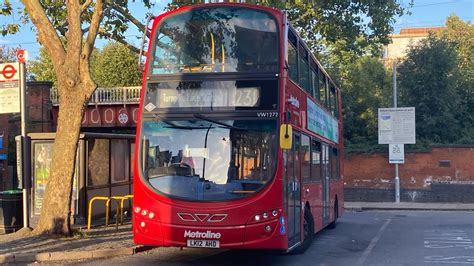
x=159 y=118
x=199 y=116
x=171 y=125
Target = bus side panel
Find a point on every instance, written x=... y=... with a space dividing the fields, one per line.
x=312 y=193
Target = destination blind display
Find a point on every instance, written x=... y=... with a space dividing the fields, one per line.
x=208 y=97
x=211 y=94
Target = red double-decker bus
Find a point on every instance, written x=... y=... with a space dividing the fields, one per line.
x=239 y=142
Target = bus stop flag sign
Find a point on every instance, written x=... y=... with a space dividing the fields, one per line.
x=396 y=125
x=9 y=88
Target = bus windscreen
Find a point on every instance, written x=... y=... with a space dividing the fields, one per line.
x=223 y=39
x=206 y=160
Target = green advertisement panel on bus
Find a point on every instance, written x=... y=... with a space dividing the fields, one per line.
x=321 y=122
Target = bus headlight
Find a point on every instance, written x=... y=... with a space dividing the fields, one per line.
x=265 y=216
x=257 y=218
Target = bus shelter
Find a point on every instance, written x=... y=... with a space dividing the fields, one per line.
x=104 y=167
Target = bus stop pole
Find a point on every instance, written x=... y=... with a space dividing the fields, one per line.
x=397 y=178
x=26 y=183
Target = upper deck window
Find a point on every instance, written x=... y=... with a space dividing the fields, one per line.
x=222 y=39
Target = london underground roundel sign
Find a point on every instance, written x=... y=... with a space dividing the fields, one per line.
x=8 y=72
x=9 y=88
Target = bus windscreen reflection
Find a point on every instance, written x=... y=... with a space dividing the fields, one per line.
x=202 y=160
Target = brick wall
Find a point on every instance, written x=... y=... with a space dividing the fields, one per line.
x=444 y=174
x=39 y=107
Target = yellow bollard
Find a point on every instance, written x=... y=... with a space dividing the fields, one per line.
x=119 y=210
x=126 y=197
x=107 y=205
x=122 y=200
x=119 y=207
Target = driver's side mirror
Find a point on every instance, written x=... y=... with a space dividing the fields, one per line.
x=286 y=137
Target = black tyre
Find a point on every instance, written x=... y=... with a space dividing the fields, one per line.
x=308 y=227
x=336 y=215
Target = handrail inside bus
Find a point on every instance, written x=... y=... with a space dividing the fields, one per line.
x=223 y=58
x=242 y=191
x=212 y=50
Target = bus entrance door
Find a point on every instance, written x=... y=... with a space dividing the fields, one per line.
x=325 y=182
x=294 y=193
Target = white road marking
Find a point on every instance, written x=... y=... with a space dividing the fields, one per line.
x=372 y=244
x=450 y=259
x=459 y=239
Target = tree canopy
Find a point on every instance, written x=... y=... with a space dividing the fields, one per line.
x=366 y=87
x=430 y=81
x=437 y=78
x=115 y=21
x=7 y=54
x=115 y=65
x=111 y=66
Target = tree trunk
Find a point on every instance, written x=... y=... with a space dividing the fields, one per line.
x=56 y=210
x=72 y=68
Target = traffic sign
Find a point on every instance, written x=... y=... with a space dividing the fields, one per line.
x=21 y=55
x=396 y=153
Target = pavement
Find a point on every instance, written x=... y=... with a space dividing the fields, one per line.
x=101 y=242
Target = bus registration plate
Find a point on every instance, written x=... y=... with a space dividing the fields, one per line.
x=195 y=243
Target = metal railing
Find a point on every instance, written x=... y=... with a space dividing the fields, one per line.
x=107 y=200
x=117 y=95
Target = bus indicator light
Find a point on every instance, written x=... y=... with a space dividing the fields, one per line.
x=268 y=228
x=282 y=230
x=265 y=215
x=274 y=213
x=151 y=215
x=142 y=224
x=282 y=220
x=137 y=209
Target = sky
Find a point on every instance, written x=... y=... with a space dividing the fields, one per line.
x=424 y=13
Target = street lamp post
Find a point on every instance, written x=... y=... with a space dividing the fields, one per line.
x=397 y=178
